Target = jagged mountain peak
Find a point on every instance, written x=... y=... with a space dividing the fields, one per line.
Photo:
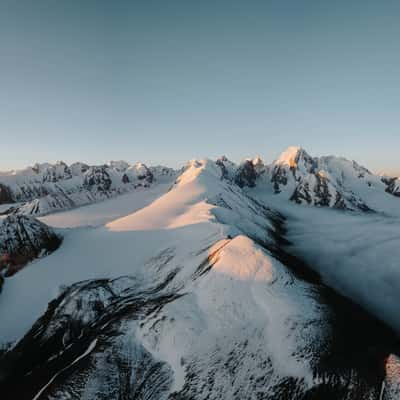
x=259 y=165
x=293 y=156
x=323 y=181
x=244 y=174
x=257 y=160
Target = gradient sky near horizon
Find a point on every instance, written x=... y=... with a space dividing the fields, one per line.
x=166 y=81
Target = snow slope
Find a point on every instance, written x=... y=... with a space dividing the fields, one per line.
x=105 y=211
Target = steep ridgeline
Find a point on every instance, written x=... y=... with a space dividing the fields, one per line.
x=197 y=300
x=321 y=181
x=23 y=239
x=46 y=188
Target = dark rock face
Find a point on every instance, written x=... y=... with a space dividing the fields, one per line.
x=246 y=175
x=318 y=194
x=321 y=191
x=97 y=178
x=228 y=168
x=5 y=195
x=220 y=163
x=393 y=186
x=278 y=178
x=146 y=176
x=302 y=193
x=23 y=239
x=125 y=178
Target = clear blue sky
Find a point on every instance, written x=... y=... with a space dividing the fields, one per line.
x=165 y=81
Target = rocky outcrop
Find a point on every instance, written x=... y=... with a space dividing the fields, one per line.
x=97 y=179
x=228 y=168
x=5 y=195
x=23 y=239
x=246 y=174
x=393 y=185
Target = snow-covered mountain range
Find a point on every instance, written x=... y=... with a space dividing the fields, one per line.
x=207 y=283
x=325 y=181
x=46 y=188
x=321 y=181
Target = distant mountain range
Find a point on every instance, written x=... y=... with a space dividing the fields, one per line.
x=45 y=188
x=321 y=181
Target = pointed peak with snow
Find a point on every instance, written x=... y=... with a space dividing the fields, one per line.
x=293 y=156
x=257 y=160
x=324 y=181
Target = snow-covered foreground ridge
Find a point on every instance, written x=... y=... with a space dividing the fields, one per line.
x=193 y=296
